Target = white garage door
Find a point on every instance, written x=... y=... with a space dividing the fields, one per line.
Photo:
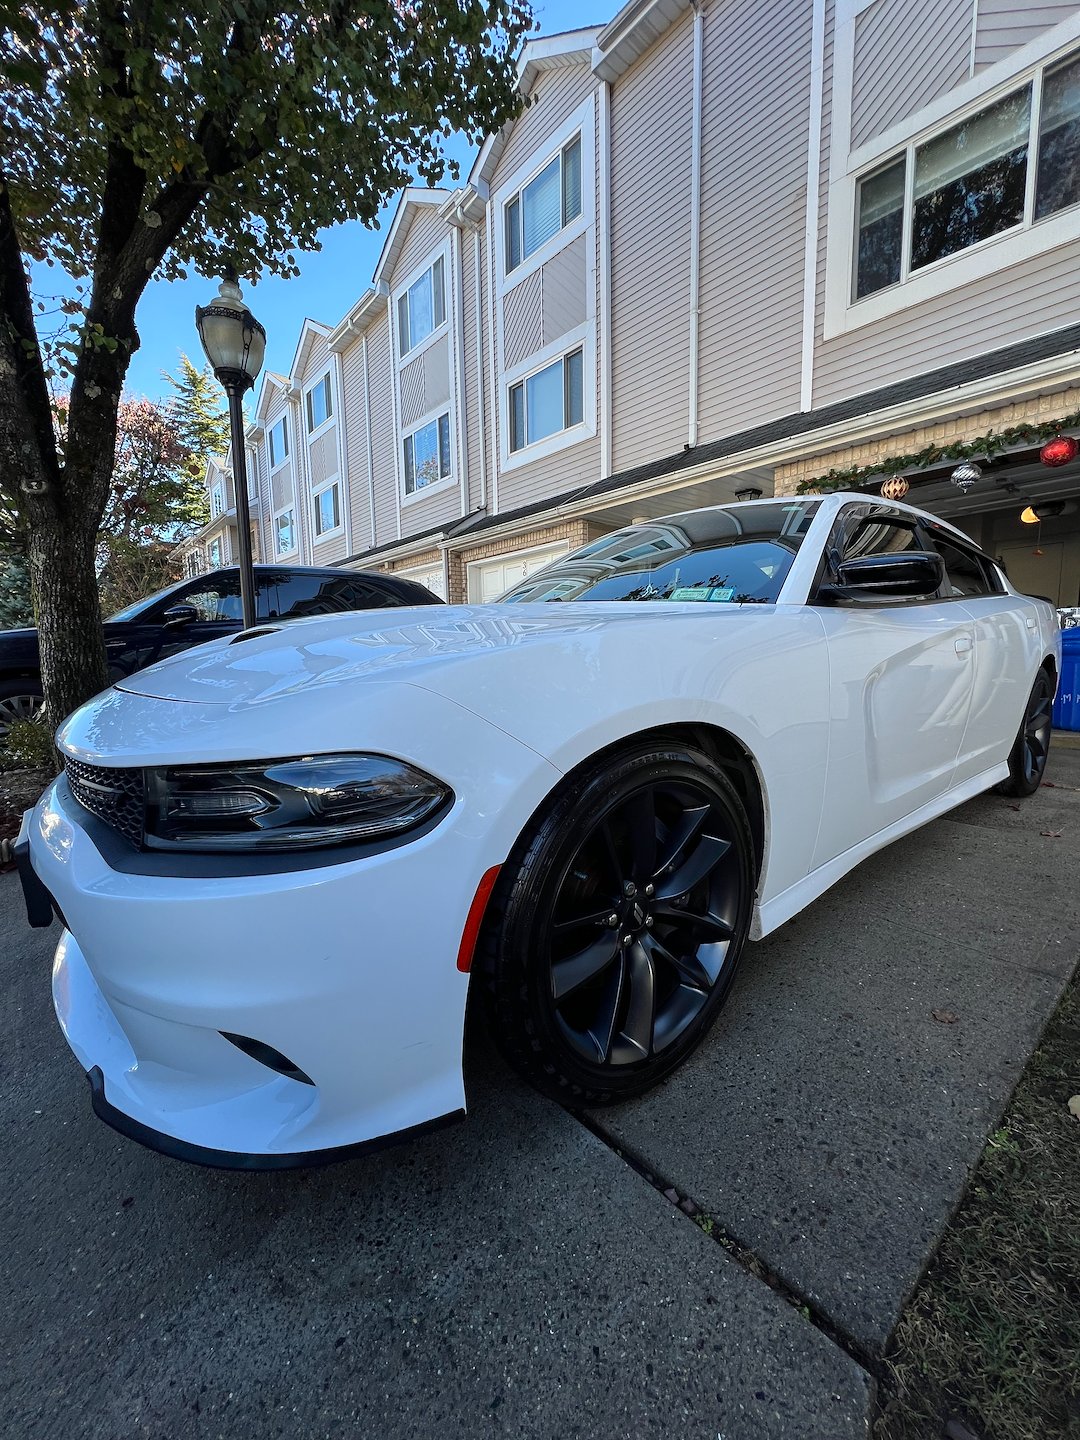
x=488 y=579
x=430 y=575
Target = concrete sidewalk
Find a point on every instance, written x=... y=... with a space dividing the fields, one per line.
x=830 y=1122
x=508 y=1277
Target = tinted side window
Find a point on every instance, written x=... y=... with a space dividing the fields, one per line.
x=322 y=595
x=215 y=600
x=875 y=536
x=965 y=573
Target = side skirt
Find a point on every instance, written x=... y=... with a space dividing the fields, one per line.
x=789 y=902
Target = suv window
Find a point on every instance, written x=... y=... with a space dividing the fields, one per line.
x=298 y=595
x=215 y=599
x=965 y=572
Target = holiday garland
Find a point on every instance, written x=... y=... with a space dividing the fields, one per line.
x=990 y=444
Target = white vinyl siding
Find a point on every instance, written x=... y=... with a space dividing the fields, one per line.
x=1005 y=25
x=907 y=53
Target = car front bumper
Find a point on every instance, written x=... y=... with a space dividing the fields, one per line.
x=348 y=969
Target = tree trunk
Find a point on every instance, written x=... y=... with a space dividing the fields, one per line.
x=64 y=580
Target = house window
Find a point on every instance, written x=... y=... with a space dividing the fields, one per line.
x=217 y=500
x=213 y=553
x=427 y=454
x=328 y=510
x=320 y=405
x=422 y=308
x=284 y=532
x=972 y=181
x=541 y=208
x=549 y=401
x=279 y=443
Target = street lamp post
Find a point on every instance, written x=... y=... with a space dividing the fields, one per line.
x=234 y=342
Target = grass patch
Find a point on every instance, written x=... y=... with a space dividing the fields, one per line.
x=991 y=1339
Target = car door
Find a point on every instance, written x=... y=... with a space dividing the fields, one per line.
x=215 y=600
x=1007 y=653
x=901 y=677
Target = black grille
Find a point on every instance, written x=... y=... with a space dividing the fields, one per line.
x=113 y=795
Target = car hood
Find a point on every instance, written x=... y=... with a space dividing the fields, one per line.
x=403 y=644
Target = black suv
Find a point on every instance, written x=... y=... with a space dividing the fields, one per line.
x=198 y=610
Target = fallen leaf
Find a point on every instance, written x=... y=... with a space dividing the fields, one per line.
x=945 y=1017
x=1074 y=1107
x=1016 y=808
x=1052 y=834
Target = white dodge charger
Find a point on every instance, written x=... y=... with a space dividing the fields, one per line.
x=281 y=859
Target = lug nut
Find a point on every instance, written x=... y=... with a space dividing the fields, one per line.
x=650 y=891
x=613 y=921
x=630 y=889
x=648 y=921
x=626 y=939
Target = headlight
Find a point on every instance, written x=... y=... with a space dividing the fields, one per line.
x=287 y=804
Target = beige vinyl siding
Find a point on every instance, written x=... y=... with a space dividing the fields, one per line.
x=325 y=552
x=383 y=441
x=323 y=455
x=563 y=283
x=425 y=231
x=576 y=465
x=651 y=109
x=753 y=213
x=1015 y=304
x=556 y=95
x=1005 y=25
x=827 y=71
x=907 y=53
x=523 y=320
x=356 y=450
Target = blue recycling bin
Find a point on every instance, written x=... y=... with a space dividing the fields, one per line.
x=1066 y=713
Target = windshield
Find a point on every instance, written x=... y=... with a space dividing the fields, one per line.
x=737 y=555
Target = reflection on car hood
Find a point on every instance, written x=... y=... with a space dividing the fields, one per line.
x=386 y=645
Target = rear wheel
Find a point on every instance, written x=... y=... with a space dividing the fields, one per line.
x=1027 y=761
x=618 y=923
x=19 y=700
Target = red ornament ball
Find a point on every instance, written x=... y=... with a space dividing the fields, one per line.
x=1059 y=451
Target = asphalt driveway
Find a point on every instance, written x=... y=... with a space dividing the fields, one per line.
x=515 y=1275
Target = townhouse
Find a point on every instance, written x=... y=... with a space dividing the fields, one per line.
x=726 y=247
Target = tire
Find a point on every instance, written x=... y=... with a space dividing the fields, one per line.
x=1027 y=759
x=591 y=1011
x=20 y=699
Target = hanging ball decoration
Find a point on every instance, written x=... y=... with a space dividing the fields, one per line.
x=1059 y=451
x=965 y=475
x=895 y=488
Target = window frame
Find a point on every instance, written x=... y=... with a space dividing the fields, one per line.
x=850 y=164
x=407 y=356
x=282 y=423
x=518 y=199
x=581 y=122
x=319 y=536
x=316 y=429
x=217 y=499
x=288 y=509
x=211 y=545
x=522 y=384
x=582 y=338
x=444 y=482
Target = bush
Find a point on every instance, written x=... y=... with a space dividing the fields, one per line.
x=29 y=746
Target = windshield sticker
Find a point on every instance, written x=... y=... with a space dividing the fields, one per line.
x=703 y=592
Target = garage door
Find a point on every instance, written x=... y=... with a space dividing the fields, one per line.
x=488 y=579
x=430 y=575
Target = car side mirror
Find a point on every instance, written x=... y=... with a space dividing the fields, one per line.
x=908 y=575
x=180 y=615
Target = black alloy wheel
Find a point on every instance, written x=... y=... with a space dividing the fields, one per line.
x=619 y=922
x=1027 y=761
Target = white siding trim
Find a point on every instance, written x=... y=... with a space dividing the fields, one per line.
x=457 y=331
x=604 y=226
x=495 y=308
x=337 y=384
x=813 y=188
x=367 y=436
x=695 y=224
x=480 y=408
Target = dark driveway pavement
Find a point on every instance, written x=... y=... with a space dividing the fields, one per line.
x=513 y=1276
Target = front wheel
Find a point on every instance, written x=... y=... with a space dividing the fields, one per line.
x=1027 y=760
x=19 y=700
x=618 y=922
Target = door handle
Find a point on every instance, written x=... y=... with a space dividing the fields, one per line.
x=962 y=645
x=1029 y=621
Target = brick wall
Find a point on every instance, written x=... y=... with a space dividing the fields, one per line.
x=967 y=427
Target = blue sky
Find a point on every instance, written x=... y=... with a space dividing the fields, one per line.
x=330 y=279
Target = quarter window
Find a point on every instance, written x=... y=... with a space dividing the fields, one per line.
x=327 y=510
x=971 y=182
x=547 y=402
x=320 y=404
x=427 y=454
x=545 y=205
x=422 y=308
x=965 y=573
x=279 y=443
